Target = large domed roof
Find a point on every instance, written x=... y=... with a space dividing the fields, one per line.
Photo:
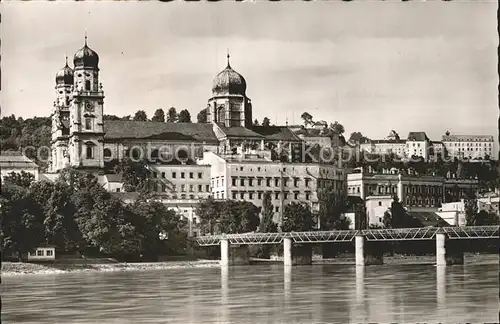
x=65 y=75
x=86 y=57
x=229 y=82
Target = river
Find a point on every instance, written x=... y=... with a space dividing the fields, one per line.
x=259 y=294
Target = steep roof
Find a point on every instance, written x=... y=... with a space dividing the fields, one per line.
x=417 y=136
x=113 y=177
x=239 y=131
x=428 y=219
x=276 y=133
x=15 y=159
x=131 y=129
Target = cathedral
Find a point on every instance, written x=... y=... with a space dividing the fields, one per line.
x=82 y=139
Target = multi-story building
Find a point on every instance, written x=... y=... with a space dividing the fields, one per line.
x=417 y=192
x=417 y=144
x=181 y=181
x=473 y=147
x=248 y=176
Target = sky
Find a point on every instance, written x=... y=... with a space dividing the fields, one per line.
x=372 y=66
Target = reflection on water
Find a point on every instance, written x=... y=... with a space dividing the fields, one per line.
x=259 y=294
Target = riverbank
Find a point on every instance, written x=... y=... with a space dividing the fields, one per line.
x=22 y=268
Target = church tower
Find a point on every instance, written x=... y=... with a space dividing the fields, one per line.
x=86 y=112
x=229 y=105
x=60 y=118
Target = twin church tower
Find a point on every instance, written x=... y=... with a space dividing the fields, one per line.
x=78 y=128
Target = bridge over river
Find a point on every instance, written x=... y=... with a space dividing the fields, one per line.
x=364 y=256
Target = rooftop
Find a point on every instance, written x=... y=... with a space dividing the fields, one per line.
x=417 y=136
x=131 y=129
x=467 y=138
x=15 y=159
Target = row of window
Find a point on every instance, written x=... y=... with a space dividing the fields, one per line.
x=184 y=188
x=462 y=149
x=268 y=182
x=471 y=144
x=392 y=190
x=174 y=175
x=260 y=195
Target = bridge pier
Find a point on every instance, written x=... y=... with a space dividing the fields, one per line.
x=296 y=255
x=367 y=254
x=233 y=255
x=448 y=252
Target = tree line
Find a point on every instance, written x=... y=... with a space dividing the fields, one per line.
x=76 y=214
x=172 y=116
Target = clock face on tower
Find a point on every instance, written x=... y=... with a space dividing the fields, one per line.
x=89 y=106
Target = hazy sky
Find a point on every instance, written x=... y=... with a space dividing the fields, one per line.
x=373 y=66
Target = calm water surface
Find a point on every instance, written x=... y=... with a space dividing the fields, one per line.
x=259 y=294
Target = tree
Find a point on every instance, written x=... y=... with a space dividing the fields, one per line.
x=398 y=214
x=387 y=219
x=54 y=200
x=266 y=122
x=484 y=218
x=357 y=138
x=331 y=207
x=140 y=115
x=127 y=117
x=150 y=218
x=308 y=119
x=159 y=116
x=110 y=117
x=208 y=211
x=22 y=221
x=22 y=179
x=172 y=115
x=267 y=225
x=297 y=217
x=202 y=116
x=471 y=210
x=135 y=176
x=184 y=116
x=238 y=217
x=256 y=122
x=337 y=128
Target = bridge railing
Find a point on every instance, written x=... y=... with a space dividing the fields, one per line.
x=400 y=234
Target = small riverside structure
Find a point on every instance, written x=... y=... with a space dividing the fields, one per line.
x=296 y=251
x=43 y=253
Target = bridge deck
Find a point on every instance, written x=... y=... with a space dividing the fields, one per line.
x=401 y=234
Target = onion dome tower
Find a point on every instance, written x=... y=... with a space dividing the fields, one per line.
x=229 y=106
x=87 y=128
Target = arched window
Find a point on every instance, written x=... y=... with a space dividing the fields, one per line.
x=182 y=154
x=89 y=150
x=107 y=153
x=136 y=153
